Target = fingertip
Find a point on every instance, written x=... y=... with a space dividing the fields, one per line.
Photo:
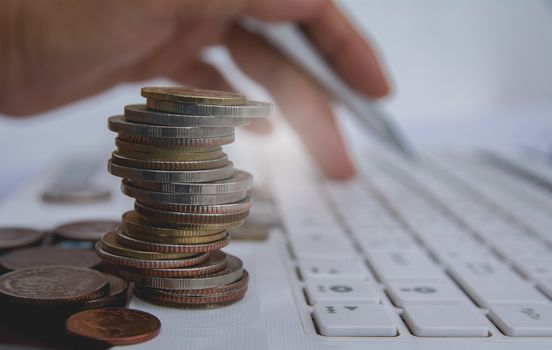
x=259 y=126
x=342 y=173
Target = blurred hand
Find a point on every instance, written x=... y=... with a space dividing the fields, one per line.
x=57 y=51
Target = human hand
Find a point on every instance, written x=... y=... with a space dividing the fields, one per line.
x=53 y=52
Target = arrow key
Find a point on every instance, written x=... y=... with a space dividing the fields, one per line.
x=354 y=320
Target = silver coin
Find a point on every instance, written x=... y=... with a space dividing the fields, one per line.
x=231 y=273
x=251 y=109
x=120 y=125
x=241 y=181
x=141 y=114
x=171 y=176
x=180 y=198
x=170 y=165
x=213 y=209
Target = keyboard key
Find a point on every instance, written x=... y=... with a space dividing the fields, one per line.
x=354 y=320
x=404 y=292
x=331 y=268
x=446 y=320
x=523 y=320
x=344 y=290
x=404 y=265
x=312 y=246
x=380 y=243
x=492 y=282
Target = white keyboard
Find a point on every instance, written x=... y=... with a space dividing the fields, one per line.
x=449 y=247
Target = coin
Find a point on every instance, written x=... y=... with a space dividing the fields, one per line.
x=250 y=109
x=238 y=285
x=192 y=144
x=114 y=326
x=156 y=199
x=110 y=244
x=149 y=264
x=120 y=125
x=52 y=285
x=226 y=208
x=141 y=114
x=118 y=292
x=16 y=237
x=192 y=95
x=176 y=240
x=49 y=256
x=176 y=299
x=240 y=181
x=170 y=176
x=89 y=230
x=215 y=263
x=170 y=165
x=231 y=273
x=177 y=153
x=87 y=194
x=171 y=248
x=132 y=223
x=156 y=216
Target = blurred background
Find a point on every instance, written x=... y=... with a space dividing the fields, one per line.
x=466 y=75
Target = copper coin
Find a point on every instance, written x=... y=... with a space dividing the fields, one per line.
x=171 y=248
x=149 y=264
x=53 y=285
x=114 y=326
x=47 y=256
x=15 y=237
x=216 y=262
x=118 y=292
x=89 y=230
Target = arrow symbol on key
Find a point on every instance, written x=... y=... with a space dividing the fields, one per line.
x=352 y=308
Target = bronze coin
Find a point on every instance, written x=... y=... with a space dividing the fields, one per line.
x=53 y=285
x=48 y=256
x=114 y=326
x=216 y=262
x=89 y=230
x=15 y=237
x=171 y=248
x=118 y=292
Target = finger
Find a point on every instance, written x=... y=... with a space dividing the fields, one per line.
x=346 y=50
x=304 y=104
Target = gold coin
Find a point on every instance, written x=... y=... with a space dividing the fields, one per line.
x=169 y=247
x=170 y=165
x=176 y=240
x=111 y=245
x=132 y=223
x=186 y=94
x=147 y=152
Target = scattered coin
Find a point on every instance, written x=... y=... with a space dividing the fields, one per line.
x=117 y=296
x=49 y=256
x=17 y=237
x=52 y=285
x=89 y=230
x=114 y=326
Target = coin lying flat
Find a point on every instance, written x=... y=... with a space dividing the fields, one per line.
x=140 y=114
x=112 y=245
x=182 y=299
x=170 y=176
x=156 y=216
x=156 y=199
x=132 y=223
x=231 y=273
x=223 y=208
x=176 y=240
x=170 y=165
x=215 y=263
x=89 y=230
x=192 y=95
x=240 y=181
x=192 y=144
x=161 y=153
x=114 y=326
x=117 y=296
x=149 y=264
x=120 y=125
x=52 y=285
x=16 y=237
x=249 y=109
x=49 y=256
x=171 y=248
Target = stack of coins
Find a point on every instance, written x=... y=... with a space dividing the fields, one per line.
x=187 y=193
